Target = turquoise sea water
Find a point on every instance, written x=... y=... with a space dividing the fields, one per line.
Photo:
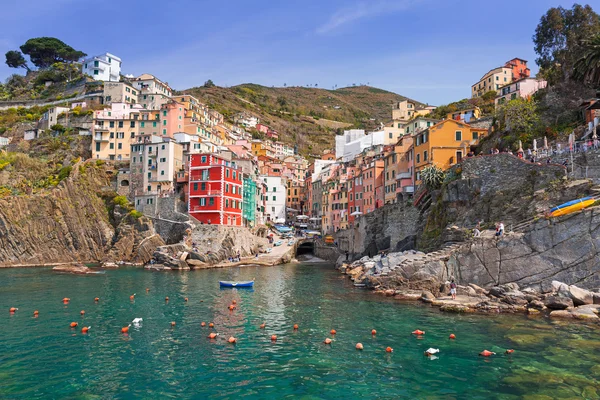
x=44 y=358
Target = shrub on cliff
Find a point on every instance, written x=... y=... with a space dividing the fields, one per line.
x=122 y=201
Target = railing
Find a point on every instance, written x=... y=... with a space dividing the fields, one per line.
x=403 y=175
x=100 y=127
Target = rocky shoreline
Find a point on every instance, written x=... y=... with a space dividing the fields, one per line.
x=559 y=300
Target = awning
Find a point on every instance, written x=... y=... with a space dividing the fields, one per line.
x=302 y=217
x=356 y=213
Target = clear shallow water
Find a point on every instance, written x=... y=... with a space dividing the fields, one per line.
x=43 y=358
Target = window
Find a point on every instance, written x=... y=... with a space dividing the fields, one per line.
x=226 y=173
x=226 y=188
x=390 y=135
x=475 y=135
x=154 y=124
x=234 y=175
x=202 y=201
x=425 y=155
x=95 y=72
x=120 y=146
x=112 y=135
x=418 y=158
x=226 y=203
x=203 y=159
x=195 y=186
x=132 y=124
x=274 y=189
x=97 y=146
x=112 y=146
x=163 y=160
x=120 y=124
x=497 y=78
x=112 y=124
x=142 y=124
x=274 y=198
x=211 y=201
x=458 y=135
x=164 y=122
x=164 y=131
x=164 y=113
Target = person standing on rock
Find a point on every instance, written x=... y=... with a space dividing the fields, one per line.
x=500 y=229
x=477 y=230
x=453 y=289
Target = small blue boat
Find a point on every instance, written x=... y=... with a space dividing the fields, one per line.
x=236 y=284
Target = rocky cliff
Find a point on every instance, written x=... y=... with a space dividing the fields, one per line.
x=565 y=249
x=73 y=222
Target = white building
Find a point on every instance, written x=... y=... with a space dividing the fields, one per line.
x=50 y=117
x=247 y=120
x=276 y=195
x=523 y=88
x=4 y=141
x=354 y=141
x=105 y=67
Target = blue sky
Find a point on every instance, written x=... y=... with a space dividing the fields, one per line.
x=429 y=50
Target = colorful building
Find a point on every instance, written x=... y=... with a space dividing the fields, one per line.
x=492 y=81
x=215 y=190
x=465 y=115
x=519 y=68
x=523 y=88
x=444 y=144
x=249 y=202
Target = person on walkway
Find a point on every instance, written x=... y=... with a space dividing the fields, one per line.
x=500 y=229
x=347 y=255
x=453 y=289
x=477 y=230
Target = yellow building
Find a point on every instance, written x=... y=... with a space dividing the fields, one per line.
x=444 y=144
x=260 y=148
x=114 y=130
x=493 y=80
x=406 y=110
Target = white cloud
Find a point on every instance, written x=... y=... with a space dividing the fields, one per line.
x=364 y=9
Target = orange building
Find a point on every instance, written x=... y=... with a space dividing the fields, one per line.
x=444 y=144
x=519 y=68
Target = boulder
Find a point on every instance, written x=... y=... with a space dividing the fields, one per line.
x=78 y=269
x=408 y=294
x=466 y=291
x=596 y=298
x=580 y=296
x=355 y=271
x=558 y=303
x=497 y=291
x=427 y=296
x=537 y=304
x=478 y=289
x=110 y=265
x=561 y=314
x=584 y=313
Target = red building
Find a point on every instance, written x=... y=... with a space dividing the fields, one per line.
x=215 y=190
x=519 y=68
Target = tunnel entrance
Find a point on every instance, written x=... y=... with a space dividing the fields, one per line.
x=305 y=248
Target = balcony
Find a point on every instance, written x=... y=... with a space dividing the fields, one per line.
x=408 y=189
x=99 y=138
x=100 y=128
x=403 y=175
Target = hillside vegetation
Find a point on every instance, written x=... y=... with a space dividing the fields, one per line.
x=309 y=117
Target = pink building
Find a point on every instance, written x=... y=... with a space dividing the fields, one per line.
x=172 y=115
x=524 y=88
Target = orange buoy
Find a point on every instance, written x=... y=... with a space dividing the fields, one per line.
x=327 y=341
x=147 y=290
x=486 y=353
x=132 y=297
x=231 y=307
x=333 y=332
x=359 y=346
x=233 y=302
x=66 y=300
x=232 y=339
x=172 y=323
x=97 y=299
x=211 y=325
x=452 y=336
x=202 y=323
x=74 y=324
x=389 y=349
x=510 y=351
x=273 y=338
x=373 y=332
x=36 y=313
x=212 y=335
x=418 y=332
x=262 y=326
x=295 y=327
x=167 y=298
x=82 y=312
x=85 y=329
x=12 y=309
x=186 y=299
x=125 y=329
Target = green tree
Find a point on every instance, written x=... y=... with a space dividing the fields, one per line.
x=587 y=68
x=45 y=51
x=558 y=38
x=520 y=115
x=209 y=83
x=15 y=59
x=489 y=96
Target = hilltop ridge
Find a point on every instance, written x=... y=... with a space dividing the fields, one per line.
x=306 y=116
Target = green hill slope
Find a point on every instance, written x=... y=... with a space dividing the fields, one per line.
x=308 y=117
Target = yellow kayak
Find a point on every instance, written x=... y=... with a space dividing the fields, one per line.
x=572 y=208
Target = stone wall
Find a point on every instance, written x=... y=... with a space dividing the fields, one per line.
x=502 y=172
x=169 y=222
x=329 y=253
x=388 y=227
x=226 y=240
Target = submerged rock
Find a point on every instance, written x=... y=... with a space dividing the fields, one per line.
x=79 y=269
